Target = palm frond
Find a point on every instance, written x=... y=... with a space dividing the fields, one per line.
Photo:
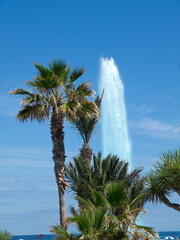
x=61 y=233
x=35 y=112
x=32 y=99
x=144 y=232
x=75 y=74
x=138 y=198
x=84 y=90
x=70 y=109
x=61 y=72
x=20 y=91
x=115 y=193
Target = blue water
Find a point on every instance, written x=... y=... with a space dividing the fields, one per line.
x=33 y=237
x=51 y=237
x=175 y=235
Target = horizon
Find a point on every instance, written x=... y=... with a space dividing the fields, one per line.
x=143 y=39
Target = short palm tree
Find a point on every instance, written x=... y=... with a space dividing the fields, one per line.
x=90 y=225
x=86 y=125
x=82 y=175
x=165 y=179
x=99 y=220
x=54 y=96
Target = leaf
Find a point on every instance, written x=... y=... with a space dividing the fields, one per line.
x=20 y=91
x=76 y=73
x=31 y=113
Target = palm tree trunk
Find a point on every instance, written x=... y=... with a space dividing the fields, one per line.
x=86 y=152
x=57 y=135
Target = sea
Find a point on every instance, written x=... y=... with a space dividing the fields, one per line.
x=162 y=235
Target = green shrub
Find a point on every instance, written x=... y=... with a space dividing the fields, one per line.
x=5 y=235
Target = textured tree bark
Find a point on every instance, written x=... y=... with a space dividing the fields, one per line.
x=57 y=135
x=166 y=201
x=177 y=190
x=86 y=153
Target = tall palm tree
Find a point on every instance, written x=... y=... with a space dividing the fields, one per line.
x=165 y=179
x=86 y=125
x=53 y=96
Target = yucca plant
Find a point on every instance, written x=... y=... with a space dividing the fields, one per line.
x=53 y=96
x=164 y=179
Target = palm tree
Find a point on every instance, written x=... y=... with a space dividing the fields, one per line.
x=99 y=220
x=165 y=179
x=86 y=125
x=90 y=224
x=82 y=175
x=54 y=96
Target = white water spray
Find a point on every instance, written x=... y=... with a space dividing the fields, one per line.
x=115 y=139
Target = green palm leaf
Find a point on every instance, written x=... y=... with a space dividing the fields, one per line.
x=20 y=91
x=35 y=112
x=61 y=233
x=76 y=73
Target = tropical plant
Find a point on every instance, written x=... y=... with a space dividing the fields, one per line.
x=86 y=125
x=82 y=175
x=54 y=96
x=99 y=220
x=5 y=235
x=164 y=180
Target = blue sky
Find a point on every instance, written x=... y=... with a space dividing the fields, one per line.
x=144 y=39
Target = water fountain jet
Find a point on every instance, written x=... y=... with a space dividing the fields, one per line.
x=115 y=138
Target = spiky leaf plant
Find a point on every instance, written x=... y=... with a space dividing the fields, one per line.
x=164 y=179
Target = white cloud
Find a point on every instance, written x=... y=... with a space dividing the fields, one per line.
x=6 y=180
x=9 y=105
x=165 y=96
x=22 y=150
x=31 y=183
x=144 y=109
x=140 y=110
x=156 y=128
x=4 y=189
x=27 y=163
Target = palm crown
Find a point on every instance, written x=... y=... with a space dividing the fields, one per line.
x=164 y=179
x=53 y=88
x=86 y=125
x=82 y=175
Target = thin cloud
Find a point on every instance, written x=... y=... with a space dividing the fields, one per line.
x=21 y=150
x=9 y=106
x=155 y=128
x=28 y=184
x=32 y=151
x=25 y=163
x=165 y=96
x=146 y=162
x=144 y=109
x=141 y=109
x=4 y=189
